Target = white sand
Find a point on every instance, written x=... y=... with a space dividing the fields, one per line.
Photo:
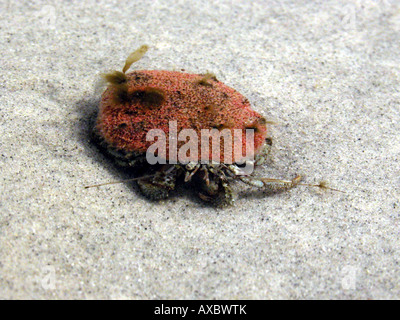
x=327 y=71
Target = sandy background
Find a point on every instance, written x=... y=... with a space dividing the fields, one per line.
x=327 y=71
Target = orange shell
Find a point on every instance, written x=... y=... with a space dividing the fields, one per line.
x=158 y=97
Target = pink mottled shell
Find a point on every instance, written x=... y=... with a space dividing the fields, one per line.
x=185 y=99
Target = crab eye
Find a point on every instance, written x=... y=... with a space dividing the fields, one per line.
x=268 y=141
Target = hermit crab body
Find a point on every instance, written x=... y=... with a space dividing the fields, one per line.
x=136 y=103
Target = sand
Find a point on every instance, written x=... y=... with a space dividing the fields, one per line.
x=327 y=72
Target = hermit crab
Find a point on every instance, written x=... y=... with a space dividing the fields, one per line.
x=136 y=104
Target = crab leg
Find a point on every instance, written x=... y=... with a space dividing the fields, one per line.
x=190 y=174
x=269 y=184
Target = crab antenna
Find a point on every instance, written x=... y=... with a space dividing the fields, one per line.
x=116 y=182
x=322 y=185
x=280 y=185
x=135 y=56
